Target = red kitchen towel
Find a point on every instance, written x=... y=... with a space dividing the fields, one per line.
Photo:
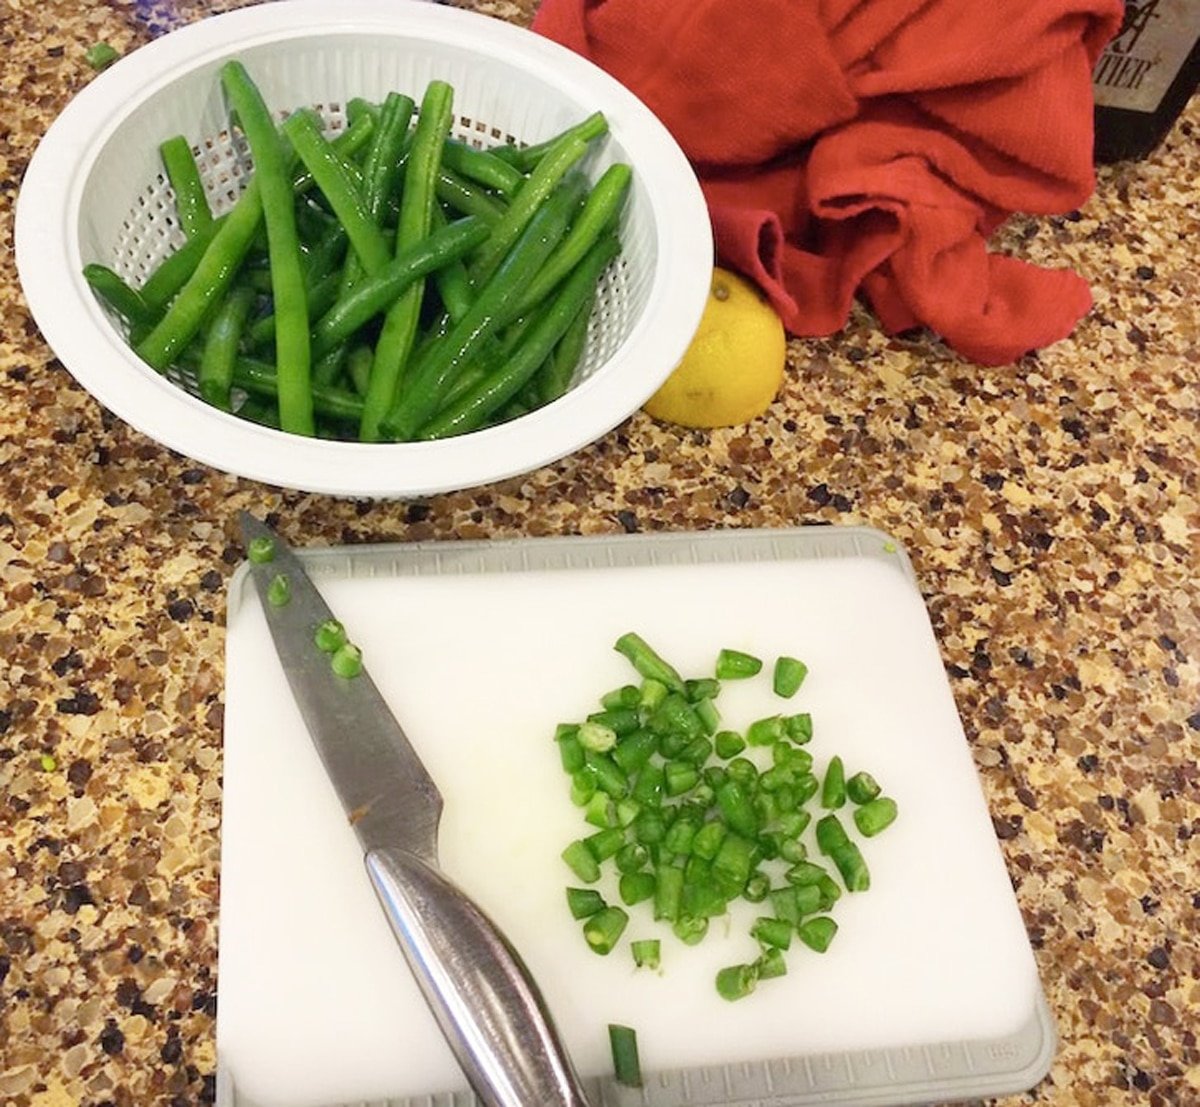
x=872 y=146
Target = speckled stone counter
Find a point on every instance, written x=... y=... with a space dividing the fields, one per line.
x=1051 y=508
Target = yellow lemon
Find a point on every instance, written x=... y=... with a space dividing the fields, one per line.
x=734 y=366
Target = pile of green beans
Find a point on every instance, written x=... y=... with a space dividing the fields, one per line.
x=690 y=817
x=388 y=283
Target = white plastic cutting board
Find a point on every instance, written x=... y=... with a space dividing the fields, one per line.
x=316 y=1003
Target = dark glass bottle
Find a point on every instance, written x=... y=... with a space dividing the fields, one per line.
x=1145 y=77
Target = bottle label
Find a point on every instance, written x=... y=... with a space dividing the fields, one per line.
x=1138 y=66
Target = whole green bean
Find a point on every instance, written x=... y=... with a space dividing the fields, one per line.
x=125 y=301
x=526 y=157
x=261 y=379
x=482 y=167
x=600 y=212
x=443 y=361
x=336 y=184
x=473 y=409
x=320 y=296
x=191 y=202
x=215 y=375
x=373 y=295
x=293 y=354
x=417 y=202
x=217 y=265
x=453 y=285
x=540 y=184
x=173 y=272
x=348 y=144
x=467 y=198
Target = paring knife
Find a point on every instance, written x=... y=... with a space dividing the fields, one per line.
x=480 y=992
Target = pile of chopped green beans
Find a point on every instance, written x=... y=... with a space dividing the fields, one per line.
x=691 y=817
x=387 y=283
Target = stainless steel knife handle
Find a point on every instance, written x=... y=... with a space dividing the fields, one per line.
x=483 y=997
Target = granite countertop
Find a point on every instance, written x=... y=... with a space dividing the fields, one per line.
x=1051 y=509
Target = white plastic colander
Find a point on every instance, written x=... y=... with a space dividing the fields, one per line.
x=95 y=192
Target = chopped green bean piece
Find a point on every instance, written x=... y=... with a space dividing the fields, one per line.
x=627 y=1068
x=875 y=816
x=583 y=903
x=631 y=857
x=679 y=836
x=647 y=662
x=596 y=737
x=570 y=751
x=690 y=929
x=792 y=851
x=261 y=550
x=647 y=953
x=831 y=835
x=829 y=891
x=653 y=692
x=736 y=981
x=668 y=893
x=770 y=964
x=347 y=661
x=806 y=787
x=628 y=695
x=794 y=823
x=736 y=665
x=757 y=888
x=634 y=750
x=708 y=839
x=809 y=898
x=804 y=873
x=862 y=788
x=582 y=862
x=583 y=787
x=783 y=903
x=620 y=720
x=772 y=932
x=604 y=929
x=833 y=788
x=818 y=932
x=765 y=732
x=704 y=689
x=330 y=636
x=600 y=811
x=279 y=590
x=788 y=675
x=648 y=788
x=729 y=743
x=100 y=55
x=636 y=887
x=607 y=773
x=736 y=808
x=743 y=771
x=798 y=727
x=735 y=858
x=627 y=810
x=680 y=777
x=709 y=716
x=853 y=868
x=605 y=843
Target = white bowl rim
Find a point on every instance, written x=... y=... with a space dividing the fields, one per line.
x=67 y=313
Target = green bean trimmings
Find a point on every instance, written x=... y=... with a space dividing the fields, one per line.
x=687 y=816
x=390 y=282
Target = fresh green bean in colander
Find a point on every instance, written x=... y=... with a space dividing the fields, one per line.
x=413 y=283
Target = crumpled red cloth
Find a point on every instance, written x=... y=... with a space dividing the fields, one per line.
x=871 y=147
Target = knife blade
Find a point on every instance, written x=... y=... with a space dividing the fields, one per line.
x=480 y=992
